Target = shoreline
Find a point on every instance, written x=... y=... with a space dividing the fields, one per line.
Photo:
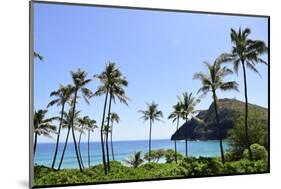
x=140 y=140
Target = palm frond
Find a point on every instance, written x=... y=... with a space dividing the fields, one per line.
x=53 y=102
x=231 y=85
x=251 y=66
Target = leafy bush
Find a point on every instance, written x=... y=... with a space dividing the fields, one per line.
x=193 y=167
x=258 y=133
x=245 y=166
x=134 y=160
x=189 y=167
x=155 y=155
x=170 y=156
x=258 y=152
x=150 y=166
x=232 y=156
x=200 y=166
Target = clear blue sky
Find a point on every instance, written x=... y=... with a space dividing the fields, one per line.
x=157 y=51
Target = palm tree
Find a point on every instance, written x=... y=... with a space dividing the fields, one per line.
x=135 y=160
x=178 y=112
x=62 y=95
x=246 y=52
x=188 y=103
x=82 y=122
x=66 y=124
x=112 y=84
x=213 y=81
x=42 y=126
x=79 y=81
x=113 y=118
x=90 y=126
x=152 y=114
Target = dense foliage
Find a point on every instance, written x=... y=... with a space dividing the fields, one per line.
x=134 y=160
x=188 y=167
x=170 y=156
x=155 y=155
x=258 y=134
x=259 y=152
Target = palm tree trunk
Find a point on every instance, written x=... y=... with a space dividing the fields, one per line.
x=218 y=124
x=58 y=137
x=79 y=147
x=186 y=151
x=35 y=142
x=112 y=150
x=107 y=129
x=149 y=152
x=176 y=153
x=101 y=134
x=246 y=112
x=107 y=150
x=64 y=148
x=89 y=148
x=73 y=134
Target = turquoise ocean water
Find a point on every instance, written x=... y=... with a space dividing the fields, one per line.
x=122 y=149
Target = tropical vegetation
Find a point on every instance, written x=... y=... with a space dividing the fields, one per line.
x=151 y=114
x=246 y=53
x=213 y=81
x=247 y=139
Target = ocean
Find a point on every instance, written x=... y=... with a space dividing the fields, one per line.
x=122 y=150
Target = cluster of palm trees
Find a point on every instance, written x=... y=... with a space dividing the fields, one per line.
x=112 y=86
x=245 y=52
x=183 y=109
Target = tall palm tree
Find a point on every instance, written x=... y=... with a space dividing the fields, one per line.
x=188 y=103
x=82 y=122
x=112 y=84
x=114 y=118
x=62 y=95
x=66 y=124
x=246 y=52
x=42 y=126
x=178 y=112
x=79 y=81
x=213 y=81
x=151 y=114
x=90 y=126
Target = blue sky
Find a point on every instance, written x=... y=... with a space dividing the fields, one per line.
x=157 y=51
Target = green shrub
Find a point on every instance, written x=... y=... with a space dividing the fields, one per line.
x=258 y=152
x=200 y=166
x=258 y=133
x=155 y=155
x=232 y=156
x=188 y=167
x=245 y=166
x=134 y=160
x=170 y=156
x=150 y=166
